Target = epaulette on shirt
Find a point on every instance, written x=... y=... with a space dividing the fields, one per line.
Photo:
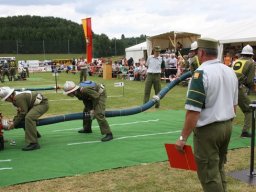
x=196 y=93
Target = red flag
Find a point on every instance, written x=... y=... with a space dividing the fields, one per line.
x=87 y=26
x=181 y=160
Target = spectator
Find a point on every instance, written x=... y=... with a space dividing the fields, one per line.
x=171 y=66
x=130 y=62
x=136 y=72
x=227 y=60
x=83 y=69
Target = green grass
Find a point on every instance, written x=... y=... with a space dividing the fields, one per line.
x=133 y=94
x=148 y=177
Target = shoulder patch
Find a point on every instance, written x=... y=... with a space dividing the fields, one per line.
x=196 y=75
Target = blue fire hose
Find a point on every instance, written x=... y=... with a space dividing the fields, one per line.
x=114 y=113
x=37 y=89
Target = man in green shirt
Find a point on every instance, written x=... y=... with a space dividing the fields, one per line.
x=30 y=106
x=193 y=58
x=94 y=98
x=244 y=68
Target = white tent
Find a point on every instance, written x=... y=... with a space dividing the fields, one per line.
x=136 y=52
x=233 y=46
x=170 y=39
x=233 y=37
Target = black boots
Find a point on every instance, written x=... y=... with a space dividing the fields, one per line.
x=108 y=137
x=246 y=134
x=31 y=146
x=1 y=143
x=85 y=131
x=38 y=135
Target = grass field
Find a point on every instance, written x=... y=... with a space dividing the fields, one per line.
x=146 y=177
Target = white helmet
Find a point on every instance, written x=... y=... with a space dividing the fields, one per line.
x=247 y=50
x=69 y=87
x=5 y=92
x=5 y=123
x=194 y=46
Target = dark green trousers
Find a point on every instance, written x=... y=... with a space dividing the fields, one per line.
x=30 y=121
x=99 y=113
x=152 y=79
x=210 y=149
x=83 y=75
x=244 y=102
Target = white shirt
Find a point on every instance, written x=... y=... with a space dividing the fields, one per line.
x=221 y=89
x=154 y=64
x=172 y=62
x=82 y=65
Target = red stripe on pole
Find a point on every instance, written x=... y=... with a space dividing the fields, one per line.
x=87 y=26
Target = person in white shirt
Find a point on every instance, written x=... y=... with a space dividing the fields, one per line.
x=211 y=106
x=155 y=64
x=83 y=69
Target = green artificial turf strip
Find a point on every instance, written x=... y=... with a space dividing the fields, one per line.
x=138 y=139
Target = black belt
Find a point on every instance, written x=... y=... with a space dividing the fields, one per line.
x=216 y=122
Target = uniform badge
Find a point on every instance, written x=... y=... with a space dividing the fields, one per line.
x=196 y=75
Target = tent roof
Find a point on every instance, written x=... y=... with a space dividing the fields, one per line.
x=238 y=40
x=138 y=47
x=172 y=33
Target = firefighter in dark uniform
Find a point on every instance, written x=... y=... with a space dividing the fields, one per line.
x=30 y=106
x=94 y=98
x=193 y=58
x=5 y=70
x=1 y=69
x=244 y=68
x=13 y=69
x=211 y=105
x=1 y=133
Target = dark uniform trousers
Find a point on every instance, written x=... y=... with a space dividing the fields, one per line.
x=155 y=80
x=210 y=149
x=87 y=121
x=30 y=121
x=99 y=113
x=83 y=75
x=244 y=104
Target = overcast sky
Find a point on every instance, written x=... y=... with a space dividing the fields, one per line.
x=219 y=19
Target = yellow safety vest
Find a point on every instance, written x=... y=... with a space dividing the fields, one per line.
x=197 y=61
x=239 y=66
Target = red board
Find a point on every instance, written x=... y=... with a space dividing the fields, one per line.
x=181 y=160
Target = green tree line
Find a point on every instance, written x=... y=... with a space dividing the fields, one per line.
x=34 y=35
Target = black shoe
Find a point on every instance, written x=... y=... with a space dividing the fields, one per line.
x=31 y=146
x=246 y=134
x=38 y=135
x=1 y=143
x=108 y=137
x=84 y=131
